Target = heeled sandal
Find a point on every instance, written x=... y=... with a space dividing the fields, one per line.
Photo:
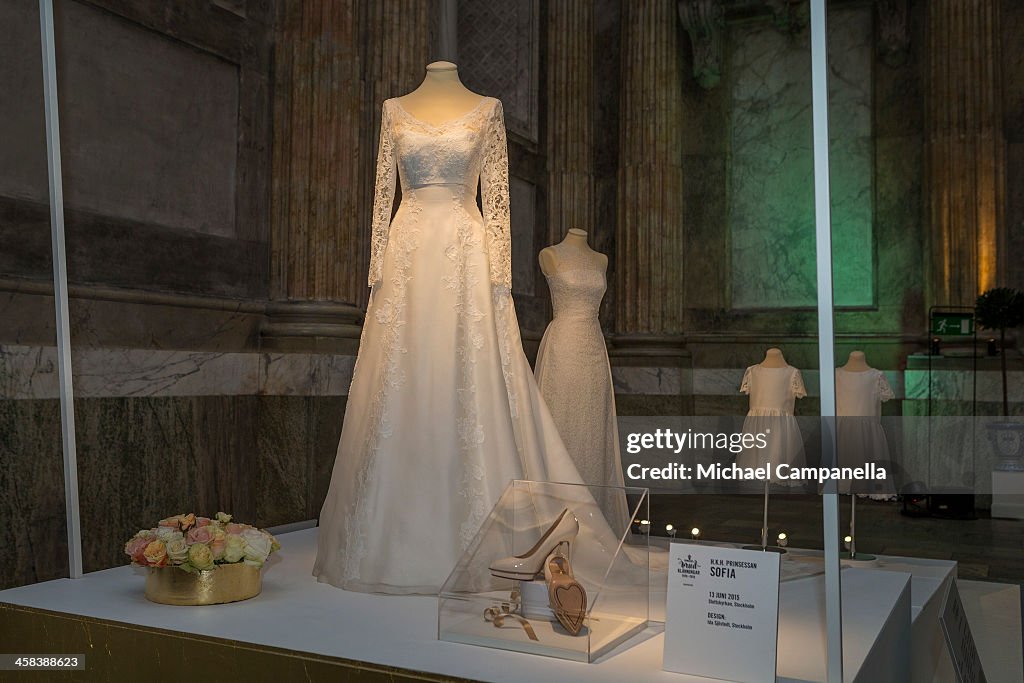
x=566 y=596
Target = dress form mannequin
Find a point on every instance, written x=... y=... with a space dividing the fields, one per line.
x=575 y=240
x=772 y=385
x=856 y=362
x=773 y=358
x=860 y=391
x=572 y=367
x=441 y=97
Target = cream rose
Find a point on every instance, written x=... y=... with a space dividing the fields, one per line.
x=200 y=556
x=257 y=546
x=234 y=548
x=177 y=550
x=167 y=534
x=223 y=517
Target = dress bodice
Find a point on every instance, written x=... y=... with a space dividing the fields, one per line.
x=860 y=394
x=577 y=286
x=447 y=154
x=438 y=162
x=772 y=390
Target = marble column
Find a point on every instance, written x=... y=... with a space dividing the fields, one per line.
x=570 y=108
x=965 y=148
x=316 y=237
x=336 y=61
x=649 y=233
x=398 y=50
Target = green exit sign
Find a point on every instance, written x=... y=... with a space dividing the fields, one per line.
x=952 y=324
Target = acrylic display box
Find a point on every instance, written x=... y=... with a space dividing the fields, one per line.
x=609 y=558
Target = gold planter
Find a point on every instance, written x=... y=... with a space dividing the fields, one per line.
x=223 y=583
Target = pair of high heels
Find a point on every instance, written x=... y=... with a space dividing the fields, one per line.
x=549 y=559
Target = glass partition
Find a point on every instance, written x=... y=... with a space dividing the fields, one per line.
x=32 y=517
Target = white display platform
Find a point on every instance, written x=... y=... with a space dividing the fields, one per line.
x=1008 y=495
x=928 y=584
x=297 y=613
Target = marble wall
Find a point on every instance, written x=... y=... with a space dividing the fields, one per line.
x=771 y=166
x=164 y=131
x=157 y=432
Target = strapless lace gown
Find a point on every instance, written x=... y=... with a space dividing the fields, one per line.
x=574 y=374
x=443 y=409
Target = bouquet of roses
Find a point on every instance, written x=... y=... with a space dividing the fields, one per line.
x=195 y=543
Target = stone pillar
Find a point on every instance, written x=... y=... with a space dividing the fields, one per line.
x=329 y=86
x=398 y=49
x=570 y=110
x=316 y=237
x=649 y=234
x=965 y=148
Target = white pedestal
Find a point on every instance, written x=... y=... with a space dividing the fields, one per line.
x=1008 y=494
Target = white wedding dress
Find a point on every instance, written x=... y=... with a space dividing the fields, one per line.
x=443 y=409
x=575 y=377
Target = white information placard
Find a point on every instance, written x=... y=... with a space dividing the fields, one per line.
x=722 y=615
x=959 y=639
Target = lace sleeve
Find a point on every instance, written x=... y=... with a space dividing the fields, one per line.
x=885 y=392
x=745 y=384
x=383 y=197
x=797 y=384
x=494 y=195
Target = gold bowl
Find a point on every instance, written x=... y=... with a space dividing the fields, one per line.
x=223 y=583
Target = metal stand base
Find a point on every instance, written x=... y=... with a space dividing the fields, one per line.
x=767 y=549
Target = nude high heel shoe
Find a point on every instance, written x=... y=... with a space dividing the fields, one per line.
x=566 y=597
x=530 y=565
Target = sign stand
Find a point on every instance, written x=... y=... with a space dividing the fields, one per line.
x=722 y=602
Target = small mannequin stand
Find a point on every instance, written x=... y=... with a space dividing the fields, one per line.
x=853 y=556
x=764 y=529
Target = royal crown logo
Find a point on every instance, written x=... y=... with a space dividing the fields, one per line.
x=688 y=567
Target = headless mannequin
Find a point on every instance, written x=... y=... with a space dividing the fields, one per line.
x=576 y=240
x=856 y=362
x=441 y=97
x=773 y=358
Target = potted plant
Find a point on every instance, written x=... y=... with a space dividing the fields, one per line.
x=1002 y=309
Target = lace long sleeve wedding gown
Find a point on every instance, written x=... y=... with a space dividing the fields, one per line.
x=443 y=409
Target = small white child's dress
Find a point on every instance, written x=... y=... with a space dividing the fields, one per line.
x=773 y=393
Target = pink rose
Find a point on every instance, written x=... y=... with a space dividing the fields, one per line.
x=199 y=534
x=217 y=548
x=235 y=529
x=135 y=548
x=202 y=521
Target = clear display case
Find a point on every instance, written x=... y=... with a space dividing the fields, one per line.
x=500 y=596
